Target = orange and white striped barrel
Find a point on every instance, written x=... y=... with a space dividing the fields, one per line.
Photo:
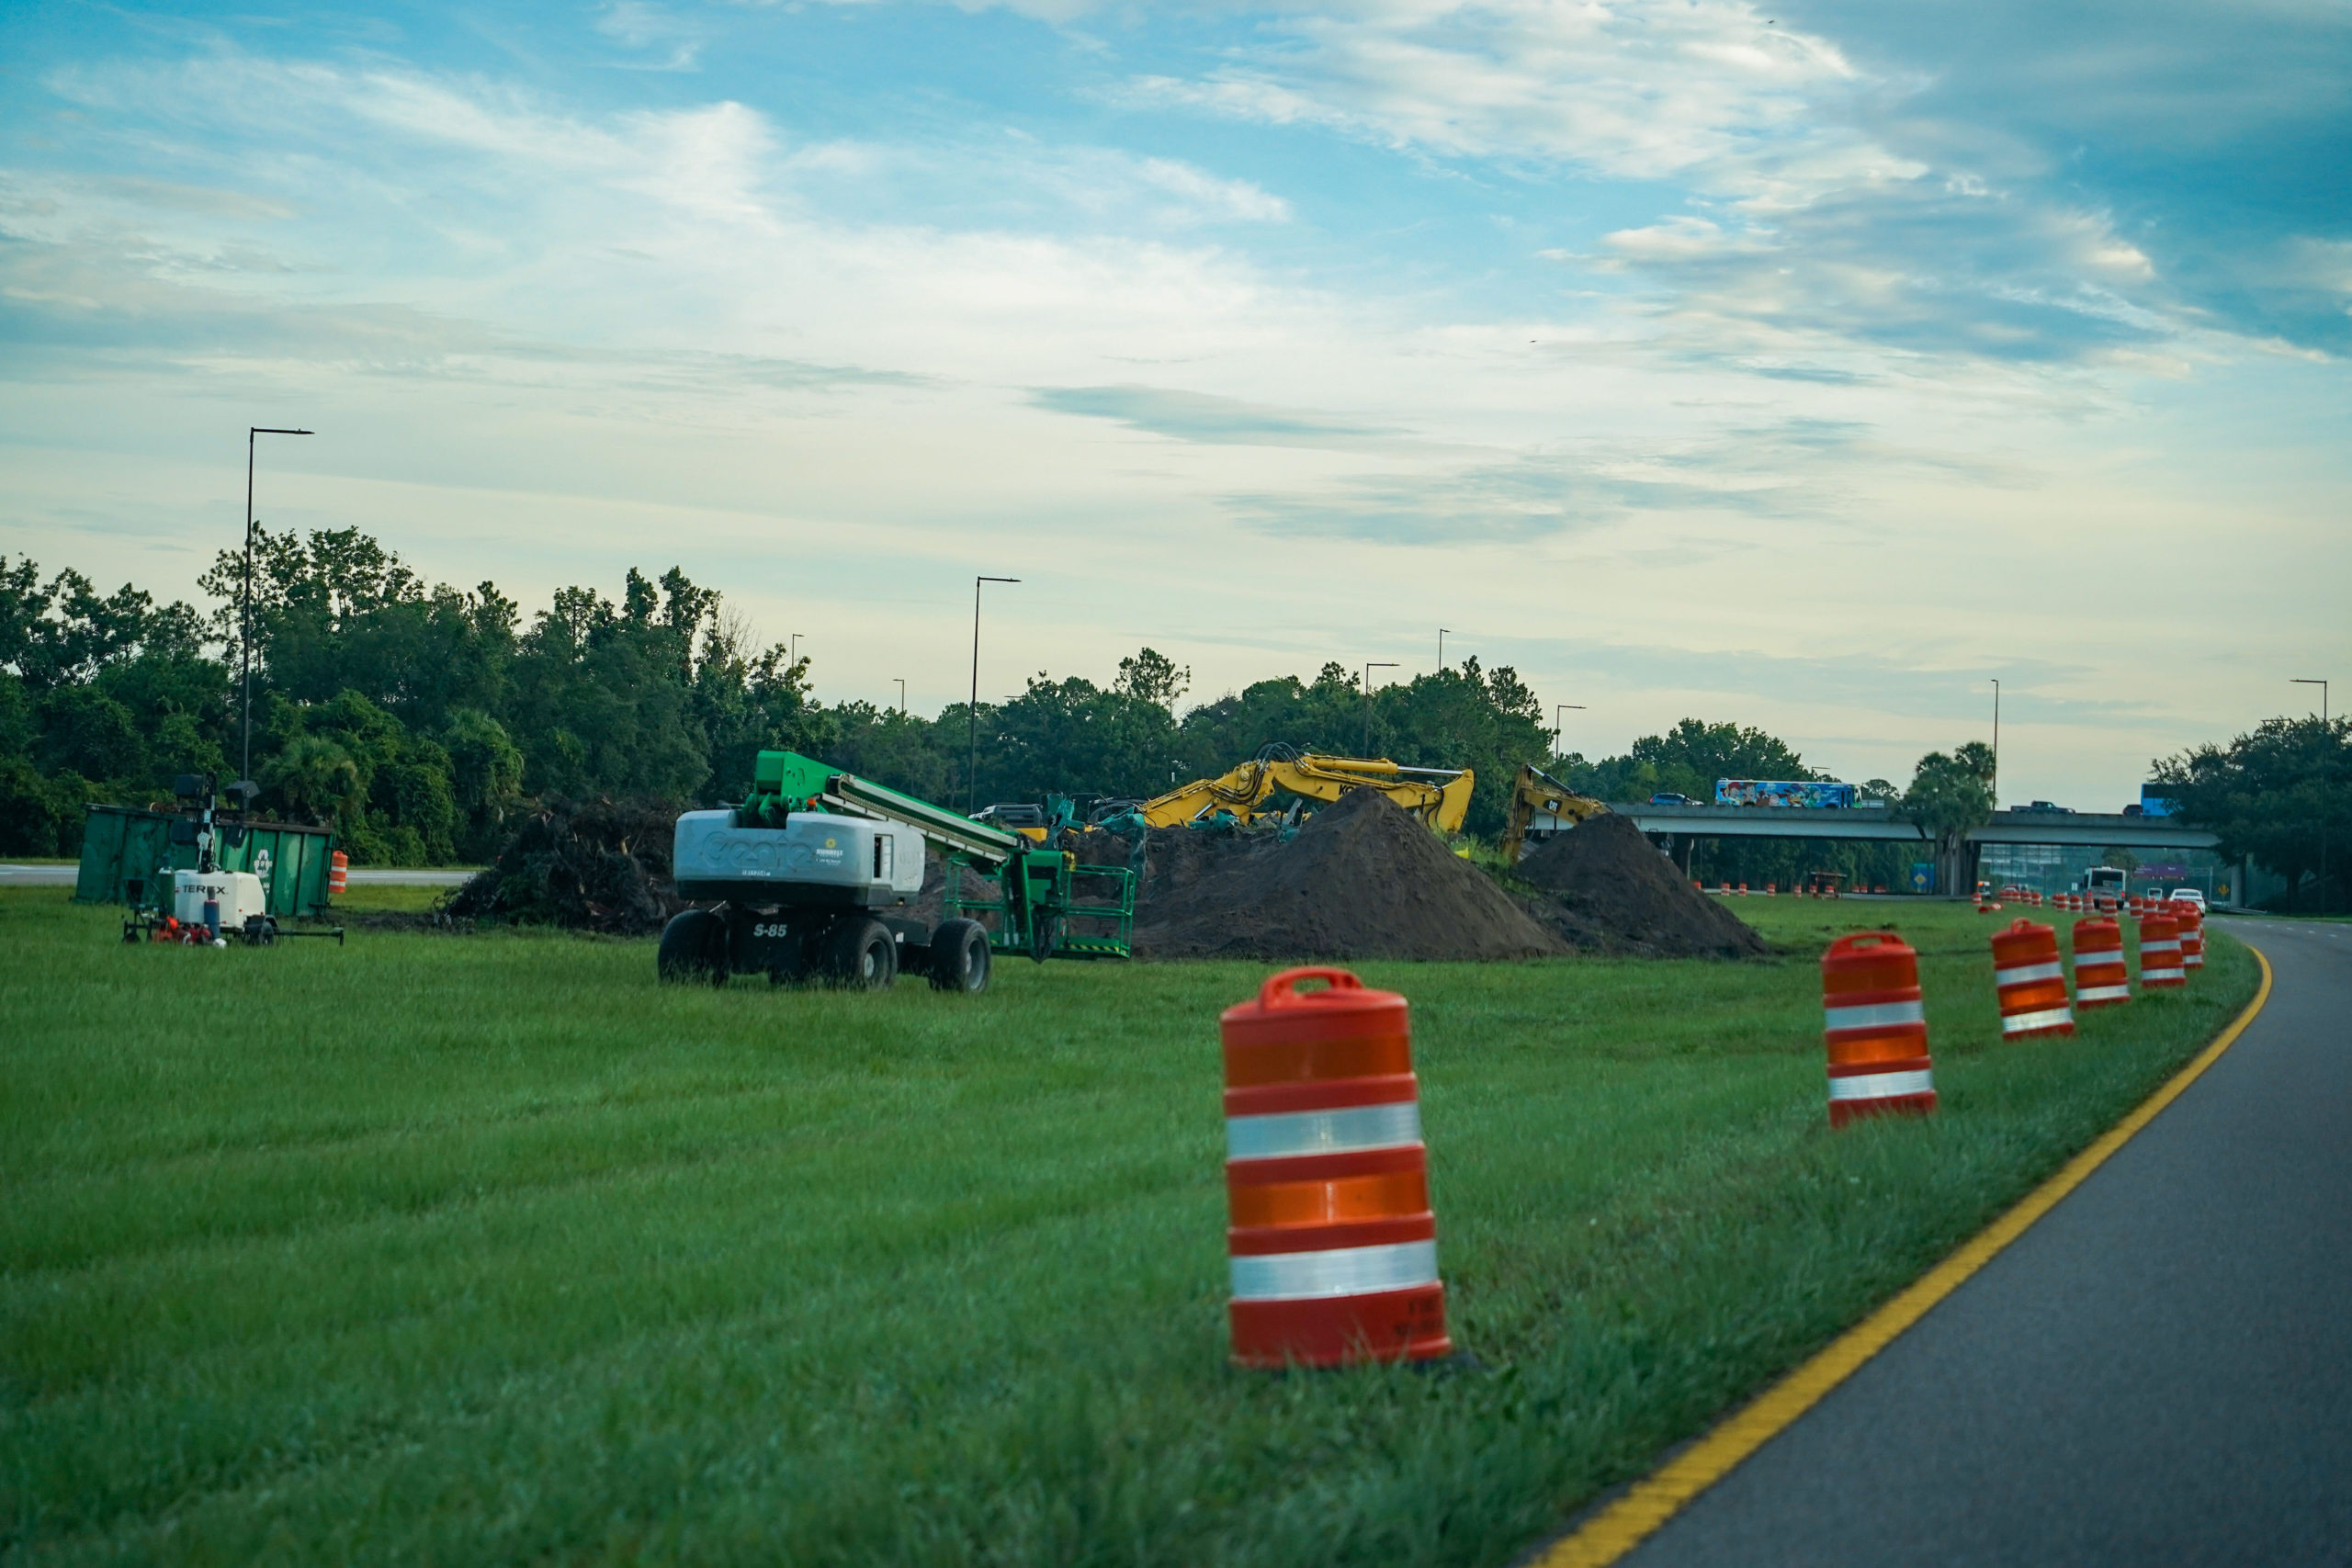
x=338 y=869
x=2160 y=953
x=2192 y=934
x=2032 y=982
x=1876 y=1028
x=2100 y=979
x=1333 y=1246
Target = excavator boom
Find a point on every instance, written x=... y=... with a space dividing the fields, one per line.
x=1535 y=790
x=1438 y=796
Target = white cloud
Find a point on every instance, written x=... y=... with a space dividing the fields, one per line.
x=641 y=25
x=1615 y=86
x=1797 y=219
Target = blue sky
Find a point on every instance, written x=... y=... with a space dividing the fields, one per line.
x=1809 y=365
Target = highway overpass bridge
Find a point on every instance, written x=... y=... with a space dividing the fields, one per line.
x=2065 y=829
x=1680 y=827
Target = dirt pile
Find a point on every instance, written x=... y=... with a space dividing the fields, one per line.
x=1607 y=890
x=601 y=865
x=1363 y=880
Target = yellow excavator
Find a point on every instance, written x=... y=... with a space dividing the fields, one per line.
x=1438 y=796
x=1536 y=793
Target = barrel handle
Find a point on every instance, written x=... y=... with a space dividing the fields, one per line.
x=1282 y=991
x=1863 y=941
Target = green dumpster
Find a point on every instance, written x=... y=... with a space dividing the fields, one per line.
x=120 y=843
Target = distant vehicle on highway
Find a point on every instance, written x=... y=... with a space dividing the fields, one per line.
x=2189 y=895
x=2044 y=806
x=1670 y=800
x=1803 y=793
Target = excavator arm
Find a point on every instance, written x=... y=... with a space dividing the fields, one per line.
x=1536 y=791
x=1438 y=796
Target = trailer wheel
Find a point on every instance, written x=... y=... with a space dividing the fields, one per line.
x=959 y=957
x=862 y=955
x=694 y=948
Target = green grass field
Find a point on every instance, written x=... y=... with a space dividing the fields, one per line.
x=479 y=1250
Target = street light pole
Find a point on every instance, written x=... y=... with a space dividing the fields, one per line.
x=795 y=655
x=972 y=712
x=2328 y=741
x=245 y=614
x=903 y=694
x=1558 y=727
x=1441 y=646
x=1997 y=744
x=1367 y=701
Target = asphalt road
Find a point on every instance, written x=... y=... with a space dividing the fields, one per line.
x=2159 y=1372
x=64 y=875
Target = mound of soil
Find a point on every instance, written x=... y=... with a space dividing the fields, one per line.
x=1607 y=890
x=1363 y=879
x=602 y=865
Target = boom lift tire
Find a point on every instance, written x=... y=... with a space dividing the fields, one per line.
x=861 y=955
x=694 y=948
x=959 y=957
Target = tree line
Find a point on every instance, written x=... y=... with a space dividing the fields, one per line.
x=418 y=720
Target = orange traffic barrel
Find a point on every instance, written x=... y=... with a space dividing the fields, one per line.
x=2192 y=934
x=2032 y=982
x=338 y=866
x=2099 y=977
x=2160 y=953
x=1332 y=1246
x=1876 y=1028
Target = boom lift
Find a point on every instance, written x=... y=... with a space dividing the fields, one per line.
x=1536 y=793
x=1438 y=796
x=809 y=875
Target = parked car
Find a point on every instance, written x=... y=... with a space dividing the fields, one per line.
x=2189 y=895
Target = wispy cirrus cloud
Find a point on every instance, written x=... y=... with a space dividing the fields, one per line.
x=1214 y=421
x=1835 y=192
x=1625 y=90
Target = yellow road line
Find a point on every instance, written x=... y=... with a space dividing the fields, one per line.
x=1622 y=1525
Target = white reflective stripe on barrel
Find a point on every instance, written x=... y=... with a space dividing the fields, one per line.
x=2148 y=975
x=2025 y=974
x=1881 y=1085
x=1389 y=1126
x=2048 y=1017
x=2148 y=947
x=1342 y=1271
x=1872 y=1015
x=2102 y=993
